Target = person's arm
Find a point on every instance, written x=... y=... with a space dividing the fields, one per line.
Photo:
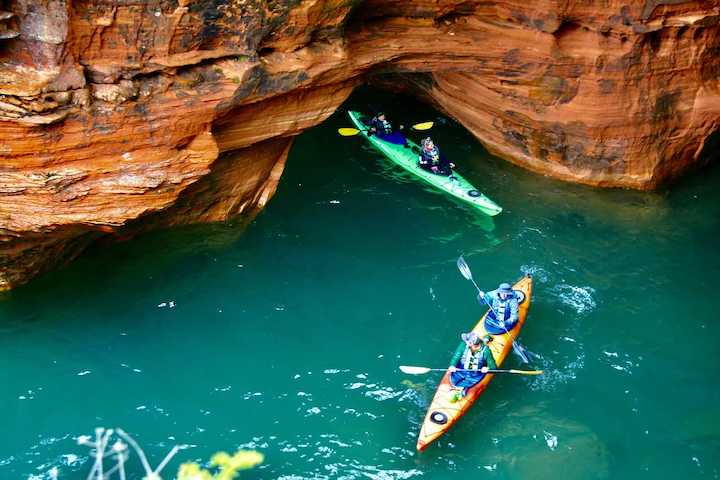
x=372 y=127
x=489 y=358
x=444 y=162
x=458 y=353
x=514 y=310
x=490 y=296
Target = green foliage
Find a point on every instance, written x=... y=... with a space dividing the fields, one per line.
x=228 y=466
x=192 y=471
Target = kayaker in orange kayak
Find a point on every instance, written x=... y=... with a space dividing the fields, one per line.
x=470 y=363
x=504 y=309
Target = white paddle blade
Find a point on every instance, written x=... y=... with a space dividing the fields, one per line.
x=526 y=372
x=464 y=269
x=520 y=352
x=414 y=370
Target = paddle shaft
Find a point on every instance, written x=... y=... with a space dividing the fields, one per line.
x=516 y=372
x=418 y=127
x=485 y=299
x=470 y=277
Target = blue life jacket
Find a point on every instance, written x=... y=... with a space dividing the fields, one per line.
x=504 y=310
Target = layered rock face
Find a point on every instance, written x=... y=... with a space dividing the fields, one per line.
x=121 y=116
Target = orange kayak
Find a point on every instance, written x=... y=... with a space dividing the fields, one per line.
x=443 y=413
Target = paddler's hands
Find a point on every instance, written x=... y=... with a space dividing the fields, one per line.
x=452 y=165
x=484 y=369
x=452 y=369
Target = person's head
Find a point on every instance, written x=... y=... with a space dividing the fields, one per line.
x=381 y=116
x=428 y=143
x=471 y=339
x=486 y=339
x=505 y=291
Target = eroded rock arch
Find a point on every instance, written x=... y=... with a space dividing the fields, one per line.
x=114 y=115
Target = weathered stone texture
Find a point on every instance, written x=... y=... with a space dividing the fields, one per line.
x=114 y=115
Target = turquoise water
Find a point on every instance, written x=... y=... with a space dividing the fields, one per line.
x=286 y=336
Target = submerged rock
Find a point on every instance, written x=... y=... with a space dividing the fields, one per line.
x=543 y=446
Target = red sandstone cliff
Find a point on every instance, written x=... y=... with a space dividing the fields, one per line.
x=118 y=116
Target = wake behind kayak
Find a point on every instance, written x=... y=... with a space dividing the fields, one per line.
x=454 y=184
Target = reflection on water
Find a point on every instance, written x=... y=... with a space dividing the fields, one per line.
x=286 y=336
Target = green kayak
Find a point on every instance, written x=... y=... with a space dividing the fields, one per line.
x=407 y=158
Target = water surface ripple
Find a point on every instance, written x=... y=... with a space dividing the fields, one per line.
x=286 y=336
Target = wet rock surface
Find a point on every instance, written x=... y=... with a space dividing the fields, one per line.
x=114 y=116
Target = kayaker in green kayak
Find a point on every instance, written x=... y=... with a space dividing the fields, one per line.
x=382 y=129
x=407 y=158
x=432 y=160
x=470 y=363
